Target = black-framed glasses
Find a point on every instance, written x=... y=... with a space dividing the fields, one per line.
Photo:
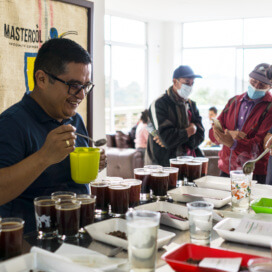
x=74 y=88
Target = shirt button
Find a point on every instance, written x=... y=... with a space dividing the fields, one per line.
x=246 y=107
x=242 y=117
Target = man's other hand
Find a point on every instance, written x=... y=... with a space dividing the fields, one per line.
x=103 y=160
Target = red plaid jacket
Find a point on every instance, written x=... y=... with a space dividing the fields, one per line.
x=256 y=126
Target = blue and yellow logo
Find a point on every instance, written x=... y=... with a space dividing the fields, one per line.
x=29 y=59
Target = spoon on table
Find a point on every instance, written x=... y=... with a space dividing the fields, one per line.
x=96 y=143
x=249 y=166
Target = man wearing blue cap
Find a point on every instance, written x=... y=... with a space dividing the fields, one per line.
x=245 y=121
x=178 y=129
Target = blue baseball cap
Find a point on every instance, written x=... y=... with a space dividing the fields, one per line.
x=184 y=71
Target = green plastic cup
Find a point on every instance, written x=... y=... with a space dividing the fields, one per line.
x=84 y=163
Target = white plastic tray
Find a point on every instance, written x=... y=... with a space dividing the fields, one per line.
x=261 y=190
x=99 y=231
x=168 y=208
x=218 y=183
x=223 y=230
x=42 y=262
x=218 y=197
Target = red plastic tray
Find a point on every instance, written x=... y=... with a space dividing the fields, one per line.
x=177 y=258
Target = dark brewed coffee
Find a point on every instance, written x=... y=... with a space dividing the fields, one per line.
x=159 y=183
x=11 y=239
x=193 y=170
x=86 y=214
x=173 y=177
x=180 y=164
x=100 y=190
x=145 y=177
x=68 y=219
x=119 y=199
x=134 y=191
x=45 y=213
x=205 y=164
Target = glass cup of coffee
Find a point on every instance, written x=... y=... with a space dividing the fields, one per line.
x=159 y=184
x=101 y=190
x=144 y=175
x=86 y=210
x=180 y=164
x=11 y=237
x=193 y=170
x=63 y=195
x=68 y=218
x=45 y=214
x=205 y=164
x=173 y=176
x=134 y=191
x=119 y=199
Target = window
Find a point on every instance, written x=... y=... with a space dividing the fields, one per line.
x=224 y=53
x=125 y=72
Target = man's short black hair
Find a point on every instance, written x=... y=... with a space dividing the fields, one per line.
x=214 y=109
x=55 y=54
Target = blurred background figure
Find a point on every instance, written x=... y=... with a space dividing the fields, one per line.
x=141 y=134
x=212 y=113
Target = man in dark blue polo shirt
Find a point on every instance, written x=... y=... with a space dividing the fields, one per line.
x=37 y=133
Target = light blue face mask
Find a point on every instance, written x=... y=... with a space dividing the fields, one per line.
x=255 y=93
x=185 y=91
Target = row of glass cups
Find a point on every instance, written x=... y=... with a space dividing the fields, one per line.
x=115 y=195
x=190 y=168
x=156 y=181
x=63 y=214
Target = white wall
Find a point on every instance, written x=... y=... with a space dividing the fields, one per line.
x=98 y=68
x=164 y=47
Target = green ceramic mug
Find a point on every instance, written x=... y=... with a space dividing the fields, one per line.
x=84 y=163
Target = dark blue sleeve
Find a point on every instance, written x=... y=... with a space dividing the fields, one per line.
x=12 y=142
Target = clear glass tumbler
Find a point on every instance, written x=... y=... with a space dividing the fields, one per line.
x=142 y=229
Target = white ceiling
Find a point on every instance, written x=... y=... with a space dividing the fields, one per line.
x=188 y=10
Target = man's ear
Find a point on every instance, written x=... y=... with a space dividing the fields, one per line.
x=42 y=79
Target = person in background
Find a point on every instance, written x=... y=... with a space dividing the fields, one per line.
x=142 y=133
x=132 y=135
x=37 y=133
x=268 y=144
x=246 y=120
x=212 y=113
x=177 y=125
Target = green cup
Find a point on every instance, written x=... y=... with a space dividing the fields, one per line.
x=84 y=163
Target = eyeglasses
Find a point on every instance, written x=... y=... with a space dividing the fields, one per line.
x=74 y=88
x=259 y=84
